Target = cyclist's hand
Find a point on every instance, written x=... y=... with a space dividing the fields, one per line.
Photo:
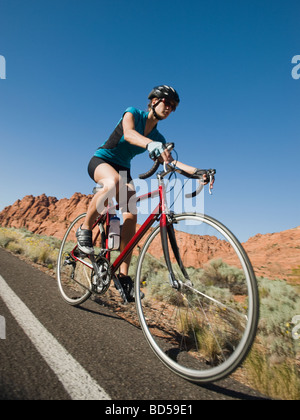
x=165 y=157
x=205 y=178
x=156 y=150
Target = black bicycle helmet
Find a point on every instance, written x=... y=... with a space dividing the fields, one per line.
x=164 y=91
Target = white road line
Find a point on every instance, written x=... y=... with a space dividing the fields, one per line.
x=75 y=379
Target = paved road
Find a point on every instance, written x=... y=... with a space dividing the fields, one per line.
x=55 y=352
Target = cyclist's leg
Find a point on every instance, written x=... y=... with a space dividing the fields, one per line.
x=109 y=178
x=129 y=212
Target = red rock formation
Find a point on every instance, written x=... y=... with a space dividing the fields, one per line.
x=44 y=215
x=273 y=255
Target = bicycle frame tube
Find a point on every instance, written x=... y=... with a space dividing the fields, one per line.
x=134 y=241
x=160 y=212
x=144 y=228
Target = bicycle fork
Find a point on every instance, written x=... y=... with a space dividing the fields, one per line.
x=167 y=231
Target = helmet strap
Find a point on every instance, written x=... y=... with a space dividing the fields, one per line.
x=154 y=112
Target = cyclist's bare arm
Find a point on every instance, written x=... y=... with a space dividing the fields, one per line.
x=137 y=139
x=186 y=168
x=130 y=134
x=190 y=170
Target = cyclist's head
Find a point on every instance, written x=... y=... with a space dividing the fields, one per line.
x=164 y=91
x=165 y=94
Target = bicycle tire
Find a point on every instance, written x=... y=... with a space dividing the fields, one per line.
x=72 y=291
x=192 y=362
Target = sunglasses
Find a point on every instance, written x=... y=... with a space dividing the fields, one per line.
x=170 y=104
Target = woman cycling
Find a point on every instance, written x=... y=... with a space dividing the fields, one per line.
x=110 y=168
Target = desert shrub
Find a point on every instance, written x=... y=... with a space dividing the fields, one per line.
x=220 y=274
x=272 y=363
x=279 y=303
x=4 y=241
x=15 y=247
x=11 y=239
x=277 y=380
x=37 y=248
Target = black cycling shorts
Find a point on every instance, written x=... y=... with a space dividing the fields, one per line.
x=96 y=161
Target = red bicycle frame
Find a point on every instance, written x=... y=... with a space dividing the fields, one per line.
x=158 y=213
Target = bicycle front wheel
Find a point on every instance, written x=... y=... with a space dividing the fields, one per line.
x=202 y=327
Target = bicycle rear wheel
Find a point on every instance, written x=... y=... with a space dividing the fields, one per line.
x=74 y=276
x=204 y=328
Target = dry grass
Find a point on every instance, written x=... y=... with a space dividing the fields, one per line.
x=277 y=379
x=37 y=248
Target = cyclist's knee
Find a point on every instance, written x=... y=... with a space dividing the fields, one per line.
x=127 y=201
x=130 y=216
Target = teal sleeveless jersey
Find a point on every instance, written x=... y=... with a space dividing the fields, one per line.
x=116 y=149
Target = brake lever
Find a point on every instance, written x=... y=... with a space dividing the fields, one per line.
x=211 y=174
x=211 y=179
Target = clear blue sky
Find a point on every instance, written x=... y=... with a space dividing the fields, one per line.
x=73 y=66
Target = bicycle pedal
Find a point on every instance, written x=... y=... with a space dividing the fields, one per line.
x=80 y=254
x=120 y=289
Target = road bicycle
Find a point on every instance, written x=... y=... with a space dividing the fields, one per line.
x=199 y=304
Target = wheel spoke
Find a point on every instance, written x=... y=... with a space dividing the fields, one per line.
x=203 y=329
x=73 y=269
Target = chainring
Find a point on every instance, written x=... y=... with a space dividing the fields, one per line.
x=101 y=282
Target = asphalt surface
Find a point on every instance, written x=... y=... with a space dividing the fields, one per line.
x=53 y=351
